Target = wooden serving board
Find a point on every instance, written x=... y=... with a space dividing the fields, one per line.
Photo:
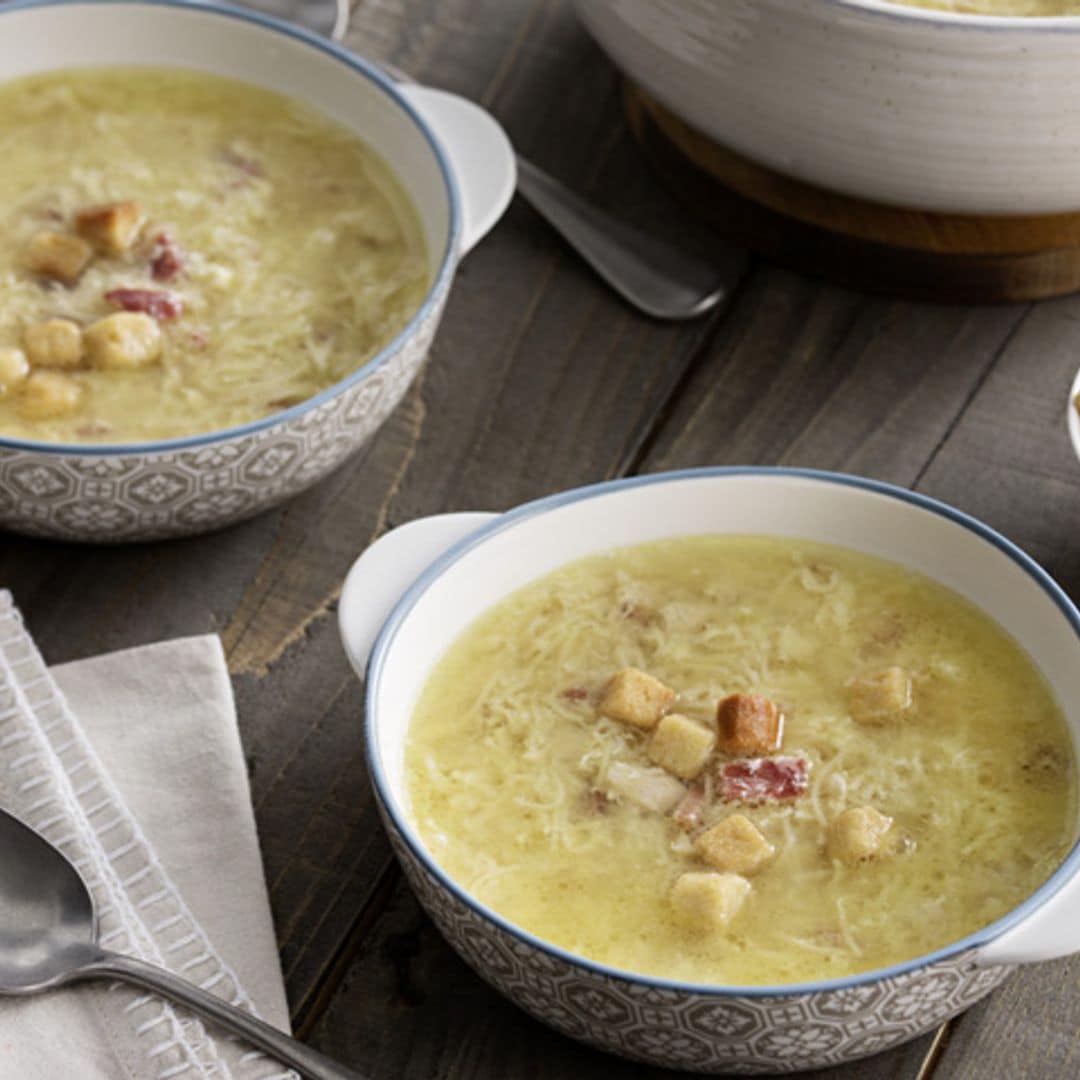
x=911 y=253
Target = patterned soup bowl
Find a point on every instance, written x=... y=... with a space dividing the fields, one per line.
x=415 y=590
x=451 y=157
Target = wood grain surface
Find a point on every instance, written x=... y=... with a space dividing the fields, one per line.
x=539 y=380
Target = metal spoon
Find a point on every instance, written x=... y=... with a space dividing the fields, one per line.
x=48 y=938
x=648 y=273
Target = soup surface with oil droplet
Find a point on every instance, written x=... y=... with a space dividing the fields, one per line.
x=924 y=783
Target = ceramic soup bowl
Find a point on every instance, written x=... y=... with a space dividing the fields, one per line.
x=452 y=159
x=957 y=113
x=468 y=562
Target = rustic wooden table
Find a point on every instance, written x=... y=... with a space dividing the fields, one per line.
x=539 y=380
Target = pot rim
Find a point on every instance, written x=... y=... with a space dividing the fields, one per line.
x=1068 y=868
x=447 y=261
x=896 y=11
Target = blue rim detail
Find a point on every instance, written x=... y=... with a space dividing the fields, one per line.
x=383 y=644
x=440 y=283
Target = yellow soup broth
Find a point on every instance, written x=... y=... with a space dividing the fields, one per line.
x=295 y=254
x=510 y=765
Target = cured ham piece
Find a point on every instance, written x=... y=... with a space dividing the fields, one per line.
x=157 y=303
x=166 y=259
x=770 y=779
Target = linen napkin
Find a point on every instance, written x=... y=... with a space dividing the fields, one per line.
x=131 y=764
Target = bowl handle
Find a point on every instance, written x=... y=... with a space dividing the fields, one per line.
x=480 y=154
x=1050 y=932
x=382 y=575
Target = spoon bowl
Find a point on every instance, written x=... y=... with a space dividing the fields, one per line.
x=46 y=913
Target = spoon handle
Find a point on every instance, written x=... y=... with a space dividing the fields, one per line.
x=651 y=274
x=304 y=1059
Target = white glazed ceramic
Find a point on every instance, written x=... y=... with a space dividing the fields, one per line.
x=956 y=113
x=423 y=583
x=449 y=154
x=1072 y=416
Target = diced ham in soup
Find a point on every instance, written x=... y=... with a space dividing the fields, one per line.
x=157 y=303
x=166 y=259
x=758 y=780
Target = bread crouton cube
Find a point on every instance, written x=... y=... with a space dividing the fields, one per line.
x=57 y=255
x=55 y=343
x=111 y=228
x=749 y=725
x=680 y=745
x=703 y=900
x=128 y=339
x=880 y=697
x=857 y=834
x=47 y=394
x=636 y=698
x=14 y=368
x=734 y=846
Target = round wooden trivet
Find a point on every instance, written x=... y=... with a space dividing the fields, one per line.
x=911 y=253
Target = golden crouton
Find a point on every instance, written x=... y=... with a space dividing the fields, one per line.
x=111 y=228
x=127 y=339
x=881 y=697
x=55 y=343
x=47 y=394
x=681 y=746
x=749 y=725
x=735 y=845
x=636 y=698
x=57 y=255
x=857 y=834
x=14 y=367
x=707 y=901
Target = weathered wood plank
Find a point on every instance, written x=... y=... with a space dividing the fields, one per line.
x=1026 y=1030
x=802 y=374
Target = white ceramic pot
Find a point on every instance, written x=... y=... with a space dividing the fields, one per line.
x=421 y=585
x=963 y=114
x=451 y=157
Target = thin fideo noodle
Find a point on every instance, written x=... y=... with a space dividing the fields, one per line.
x=508 y=760
x=300 y=254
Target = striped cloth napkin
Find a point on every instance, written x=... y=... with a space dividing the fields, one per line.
x=131 y=764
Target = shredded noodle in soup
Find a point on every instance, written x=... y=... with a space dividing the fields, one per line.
x=181 y=253
x=741 y=760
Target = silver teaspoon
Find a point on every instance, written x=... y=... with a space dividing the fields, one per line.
x=48 y=938
x=650 y=274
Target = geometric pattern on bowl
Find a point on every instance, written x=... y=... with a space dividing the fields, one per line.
x=150 y=495
x=700 y=1032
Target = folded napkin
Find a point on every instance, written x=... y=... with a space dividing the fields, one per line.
x=131 y=764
